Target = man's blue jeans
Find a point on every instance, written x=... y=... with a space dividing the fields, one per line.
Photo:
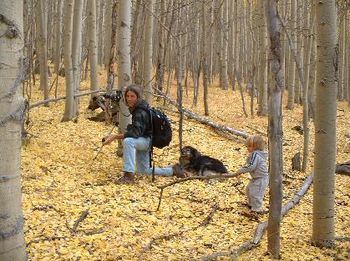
x=136 y=157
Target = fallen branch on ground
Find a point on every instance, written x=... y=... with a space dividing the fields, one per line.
x=261 y=228
x=202 y=120
x=39 y=103
x=82 y=216
x=205 y=222
x=219 y=176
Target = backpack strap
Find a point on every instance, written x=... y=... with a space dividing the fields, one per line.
x=151 y=161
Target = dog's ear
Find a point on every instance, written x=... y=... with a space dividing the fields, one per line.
x=195 y=152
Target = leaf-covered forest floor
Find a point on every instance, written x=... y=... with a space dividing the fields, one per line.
x=74 y=211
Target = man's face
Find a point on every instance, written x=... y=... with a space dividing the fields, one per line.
x=131 y=99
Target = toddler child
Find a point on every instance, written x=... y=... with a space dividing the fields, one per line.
x=257 y=167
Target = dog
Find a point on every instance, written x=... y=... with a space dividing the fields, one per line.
x=192 y=160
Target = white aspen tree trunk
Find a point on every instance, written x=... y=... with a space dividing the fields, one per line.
x=247 y=43
x=137 y=42
x=292 y=66
x=160 y=48
x=12 y=109
x=299 y=50
x=230 y=61
x=347 y=66
x=195 y=53
x=224 y=45
x=50 y=17
x=76 y=49
x=58 y=34
x=257 y=46
x=211 y=51
x=308 y=51
x=325 y=125
x=148 y=54
x=112 y=64
x=275 y=132
x=312 y=85
x=124 y=61
x=342 y=53
x=235 y=43
x=42 y=47
x=241 y=56
x=92 y=45
x=101 y=32
x=106 y=34
x=284 y=6
x=204 y=60
x=179 y=66
x=69 y=110
x=183 y=27
x=263 y=65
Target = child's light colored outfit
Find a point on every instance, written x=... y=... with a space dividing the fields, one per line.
x=257 y=167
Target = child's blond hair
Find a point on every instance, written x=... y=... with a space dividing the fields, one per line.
x=255 y=141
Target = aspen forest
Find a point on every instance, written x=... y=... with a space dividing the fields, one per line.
x=221 y=70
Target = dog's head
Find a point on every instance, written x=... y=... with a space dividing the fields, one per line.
x=97 y=102
x=189 y=153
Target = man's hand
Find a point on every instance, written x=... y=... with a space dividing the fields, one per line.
x=108 y=139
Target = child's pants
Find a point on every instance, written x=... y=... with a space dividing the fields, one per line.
x=256 y=191
x=136 y=156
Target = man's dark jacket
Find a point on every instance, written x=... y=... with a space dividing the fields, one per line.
x=140 y=124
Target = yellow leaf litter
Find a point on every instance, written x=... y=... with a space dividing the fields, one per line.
x=60 y=181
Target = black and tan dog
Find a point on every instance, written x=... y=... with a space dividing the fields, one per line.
x=192 y=160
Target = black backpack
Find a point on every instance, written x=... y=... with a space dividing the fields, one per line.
x=161 y=129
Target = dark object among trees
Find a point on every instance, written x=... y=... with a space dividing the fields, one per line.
x=296 y=162
x=343 y=168
x=192 y=160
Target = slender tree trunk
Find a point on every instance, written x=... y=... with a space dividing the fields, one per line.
x=263 y=65
x=58 y=31
x=204 y=60
x=42 y=47
x=93 y=45
x=113 y=52
x=224 y=45
x=124 y=63
x=148 y=48
x=325 y=125
x=107 y=39
x=292 y=66
x=308 y=50
x=69 y=110
x=76 y=49
x=12 y=109
x=275 y=132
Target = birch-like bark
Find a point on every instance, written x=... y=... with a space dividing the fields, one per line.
x=204 y=60
x=70 y=105
x=148 y=54
x=223 y=44
x=325 y=125
x=12 y=109
x=275 y=132
x=124 y=62
x=76 y=49
x=58 y=33
x=92 y=45
x=292 y=66
x=41 y=42
x=263 y=64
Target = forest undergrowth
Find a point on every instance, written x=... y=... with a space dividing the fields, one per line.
x=74 y=211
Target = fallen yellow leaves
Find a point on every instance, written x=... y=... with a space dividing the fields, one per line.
x=61 y=181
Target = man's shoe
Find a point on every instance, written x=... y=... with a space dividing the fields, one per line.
x=127 y=178
x=178 y=171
